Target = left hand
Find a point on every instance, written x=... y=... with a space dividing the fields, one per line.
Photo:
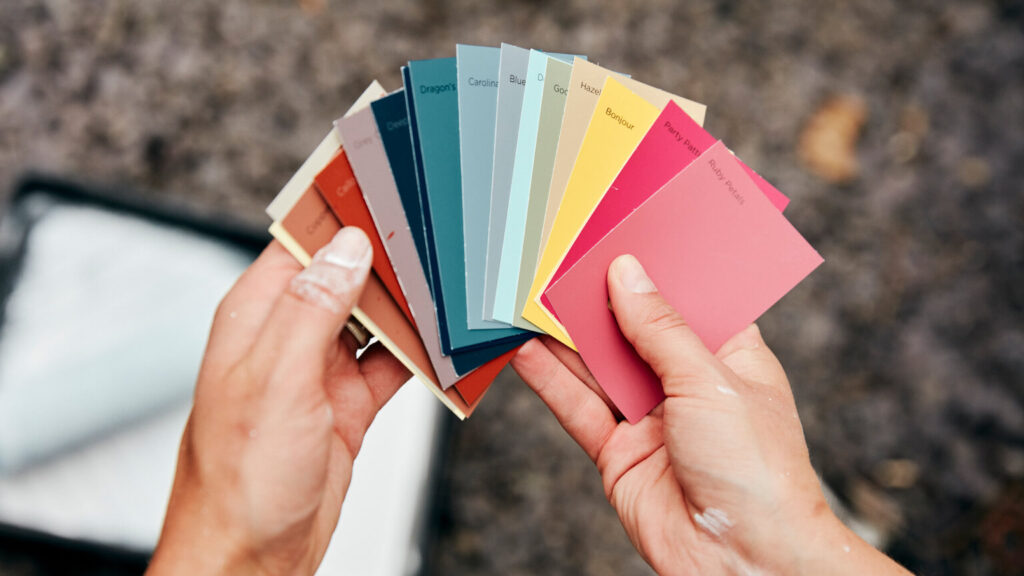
x=281 y=407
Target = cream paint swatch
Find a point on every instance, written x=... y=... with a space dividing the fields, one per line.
x=620 y=119
x=321 y=156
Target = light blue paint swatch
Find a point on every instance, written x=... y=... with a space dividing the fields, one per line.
x=511 y=85
x=511 y=248
x=478 y=100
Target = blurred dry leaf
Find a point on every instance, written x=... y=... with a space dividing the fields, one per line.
x=828 y=144
x=313 y=7
x=899 y=473
x=974 y=172
x=876 y=507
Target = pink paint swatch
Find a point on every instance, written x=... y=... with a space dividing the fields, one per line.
x=718 y=249
x=672 y=143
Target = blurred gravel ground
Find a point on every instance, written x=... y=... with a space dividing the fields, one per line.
x=897 y=128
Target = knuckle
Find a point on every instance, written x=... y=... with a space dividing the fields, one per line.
x=663 y=318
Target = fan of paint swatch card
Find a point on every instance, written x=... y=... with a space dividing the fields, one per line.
x=496 y=188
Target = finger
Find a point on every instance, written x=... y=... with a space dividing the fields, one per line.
x=244 y=309
x=581 y=412
x=749 y=357
x=575 y=364
x=384 y=374
x=302 y=329
x=356 y=401
x=349 y=344
x=657 y=332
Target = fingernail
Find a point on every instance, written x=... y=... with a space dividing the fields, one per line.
x=749 y=338
x=632 y=275
x=336 y=270
x=350 y=248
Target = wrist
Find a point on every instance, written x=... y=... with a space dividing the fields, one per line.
x=196 y=541
x=827 y=546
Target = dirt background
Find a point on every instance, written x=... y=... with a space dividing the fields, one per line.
x=897 y=128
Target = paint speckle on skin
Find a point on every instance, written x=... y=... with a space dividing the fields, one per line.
x=316 y=290
x=336 y=270
x=713 y=521
x=846 y=549
x=726 y=390
x=253 y=433
x=233 y=315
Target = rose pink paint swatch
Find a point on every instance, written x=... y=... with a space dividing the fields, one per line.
x=717 y=248
x=672 y=143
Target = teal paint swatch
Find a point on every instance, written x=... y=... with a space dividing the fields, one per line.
x=392 y=120
x=434 y=117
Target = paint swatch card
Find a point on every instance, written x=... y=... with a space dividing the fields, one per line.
x=497 y=186
x=478 y=101
x=510 y=249
x=324 y=152
x=511 y=86
x=718 y=250
x=309 y=225
x=370 y=164
x=620 y=120
x=393 y=126
x=432 y=85
x=552 y=106
x=338 y=186
x=672 y=143
x=584 y=90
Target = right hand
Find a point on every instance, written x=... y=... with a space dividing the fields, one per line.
x=717 y=479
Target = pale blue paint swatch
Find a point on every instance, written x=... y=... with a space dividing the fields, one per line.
x=478 y=100
x=511 y=248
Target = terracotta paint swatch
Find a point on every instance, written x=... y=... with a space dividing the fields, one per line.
x=672 y=143
x=718 y=250
x=369 y=162
x=338 y=186
x=307 y=227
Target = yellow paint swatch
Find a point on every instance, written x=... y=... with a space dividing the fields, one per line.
x=619 y=122
x=584 y=90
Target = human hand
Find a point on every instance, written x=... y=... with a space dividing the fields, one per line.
x=717 y=479
x=281 y=407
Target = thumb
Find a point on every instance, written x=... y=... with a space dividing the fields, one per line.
x=305 y=322
x=658 y=333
